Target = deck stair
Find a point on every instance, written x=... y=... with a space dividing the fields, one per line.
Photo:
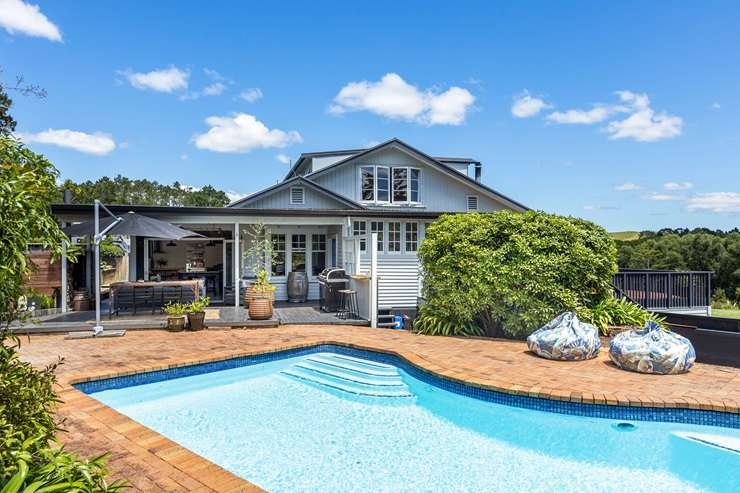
x=351 y=375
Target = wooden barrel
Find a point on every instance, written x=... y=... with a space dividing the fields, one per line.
x=80 y=300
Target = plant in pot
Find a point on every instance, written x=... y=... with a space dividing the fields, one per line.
x=175 y=316
x=260 y=306
x=260 y=253
x=197 y=312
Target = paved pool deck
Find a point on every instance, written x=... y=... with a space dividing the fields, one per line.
x=152 y=463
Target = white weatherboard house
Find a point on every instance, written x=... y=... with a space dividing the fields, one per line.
x=321 y=214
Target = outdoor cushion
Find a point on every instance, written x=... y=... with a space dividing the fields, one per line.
x=652 y=350
x=565 y=338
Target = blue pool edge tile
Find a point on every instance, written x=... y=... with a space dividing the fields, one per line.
x=668 y=415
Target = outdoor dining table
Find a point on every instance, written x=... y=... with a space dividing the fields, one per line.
x=133 y=295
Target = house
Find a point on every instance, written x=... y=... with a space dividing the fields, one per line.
x=321 y=214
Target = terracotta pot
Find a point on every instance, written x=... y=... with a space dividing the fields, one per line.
x=260 y=308
x=195 y=320
x=249 y=294
x=176 y=324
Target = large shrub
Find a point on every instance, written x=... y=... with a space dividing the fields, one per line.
x=511 y=272
x=30 y=458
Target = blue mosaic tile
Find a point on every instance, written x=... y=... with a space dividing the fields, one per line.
x=687 y=416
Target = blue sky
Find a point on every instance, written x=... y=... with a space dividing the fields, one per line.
x=625 y=114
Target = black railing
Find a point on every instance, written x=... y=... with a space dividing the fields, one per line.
x=665 y=289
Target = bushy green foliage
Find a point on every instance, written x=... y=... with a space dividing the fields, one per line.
x=429 y=323
x=512 y=272
x=173 y=309
x=199 y=305
x=122 y=190
x=30 y=460
x=683 y=249
x=613 y=312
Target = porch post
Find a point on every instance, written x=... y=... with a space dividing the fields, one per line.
x=373 y=280
x=237 y=273
x=64 y=276
x=356 y=246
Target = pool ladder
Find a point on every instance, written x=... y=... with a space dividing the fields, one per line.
x=351 y=375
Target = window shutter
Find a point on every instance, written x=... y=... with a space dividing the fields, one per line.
x=472 y=202
x=296 y=196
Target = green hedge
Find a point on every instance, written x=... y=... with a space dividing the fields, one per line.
x=509 y=273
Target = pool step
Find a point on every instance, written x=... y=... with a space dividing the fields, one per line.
x=350 y=375
x=358 y=367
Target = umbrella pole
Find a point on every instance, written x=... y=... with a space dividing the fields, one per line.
x=98 y=328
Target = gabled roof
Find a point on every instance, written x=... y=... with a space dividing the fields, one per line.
x=434 y=162
x=298 y=180
x=308 y=155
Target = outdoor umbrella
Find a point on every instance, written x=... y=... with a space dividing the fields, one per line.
x=131 y=224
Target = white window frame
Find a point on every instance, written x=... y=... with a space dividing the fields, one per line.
x=405 y=237
x=360 y=233
x=408 y=200
x=467 y=203
x=400 y=237
x=303 y=195
x=375 y=199
x=384 y=238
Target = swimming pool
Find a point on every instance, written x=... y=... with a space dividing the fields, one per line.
x=330 y=418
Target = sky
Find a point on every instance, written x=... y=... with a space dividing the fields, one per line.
x=623 y=113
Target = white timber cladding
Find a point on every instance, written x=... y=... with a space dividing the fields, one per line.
x=292 y=197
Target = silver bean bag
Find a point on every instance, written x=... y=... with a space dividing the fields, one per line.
x=652 y=350
x=565 y=338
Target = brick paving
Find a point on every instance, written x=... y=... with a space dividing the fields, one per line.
x=152 y=463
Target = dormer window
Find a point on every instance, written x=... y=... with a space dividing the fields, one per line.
x=297 y=196
x=383 y=184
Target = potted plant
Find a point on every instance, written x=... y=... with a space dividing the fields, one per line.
x=259 y=254
x=260 y=306
x=175 y=316
x=197 y=312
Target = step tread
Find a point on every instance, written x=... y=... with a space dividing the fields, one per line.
x=362 y=361
x=352 y=389
x=383 y=381
x=350 y=365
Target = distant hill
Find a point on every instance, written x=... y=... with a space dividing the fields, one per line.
x=625 y=235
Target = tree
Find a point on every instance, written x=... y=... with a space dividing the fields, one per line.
x=7 y=123
x=125 y=191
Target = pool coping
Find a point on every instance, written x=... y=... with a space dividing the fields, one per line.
x=215 y=478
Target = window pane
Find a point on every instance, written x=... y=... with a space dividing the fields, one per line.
x=298 y=253
x=400 y=184
x=412 y=237
x=383 y=184
x=278 y=260
x=414 y=185
x=368 y=183
x=394 y=237
x=318 y=254
x=359 y=228
x=377 y=227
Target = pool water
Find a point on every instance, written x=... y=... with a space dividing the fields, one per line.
x=328 y=422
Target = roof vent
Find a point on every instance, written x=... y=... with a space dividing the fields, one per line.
x=472 y=203
x=297 y=196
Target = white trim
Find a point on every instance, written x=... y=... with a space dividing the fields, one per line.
x=236 y=264
x=467 y=203
x=302 y=192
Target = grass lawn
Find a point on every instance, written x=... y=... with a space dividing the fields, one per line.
x=716 y=312
x=625 y=235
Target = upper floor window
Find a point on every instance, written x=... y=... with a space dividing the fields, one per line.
x=383 y=184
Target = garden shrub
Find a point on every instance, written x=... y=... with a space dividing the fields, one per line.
x=612 y=312
x=510 y=273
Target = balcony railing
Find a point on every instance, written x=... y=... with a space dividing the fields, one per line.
x=663 y=289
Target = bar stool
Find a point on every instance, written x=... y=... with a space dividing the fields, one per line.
x=348 y=306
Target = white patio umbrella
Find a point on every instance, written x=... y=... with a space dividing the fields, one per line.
x=131 y=224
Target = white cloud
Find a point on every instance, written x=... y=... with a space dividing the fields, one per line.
x=716 y=106
x=583 y=117
x=392 y=97
x=17 y=16
x=184 y=157
x=161 y=80
x=98 y=143
x=601 y=207
x=672 y=185
x=525 y=105
x=251 y=95
x=643 y=124
x=283 y=158
x=715 y=202
x=664 y=197
x=234 y=196
x=242 y=133
x=214 y=89
x=628 y=186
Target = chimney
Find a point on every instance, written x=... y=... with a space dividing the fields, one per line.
x=67 y=196
x=477 y=172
